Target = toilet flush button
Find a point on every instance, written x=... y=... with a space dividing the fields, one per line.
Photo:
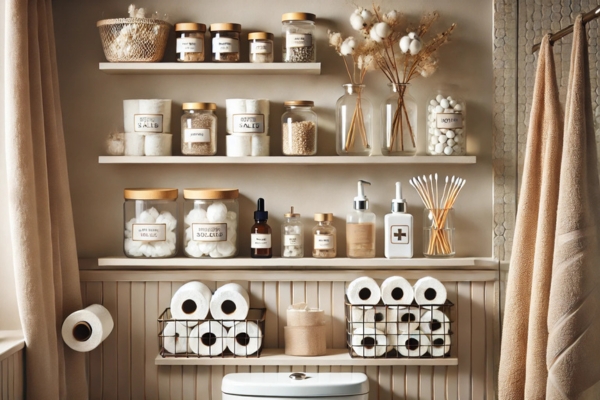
x=298 y=376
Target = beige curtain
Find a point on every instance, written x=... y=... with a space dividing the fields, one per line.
x=41 y=221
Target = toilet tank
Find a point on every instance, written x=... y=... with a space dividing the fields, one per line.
x=299 y=385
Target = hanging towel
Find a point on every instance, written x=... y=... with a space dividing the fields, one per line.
x=573 y=355
x=523 y=371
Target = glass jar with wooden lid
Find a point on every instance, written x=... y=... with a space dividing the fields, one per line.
x=190 y=41
x=225 y=42
x=324 y=237
x=299 y=128
x=298 y=30
x=261 y=47
x=199 y=129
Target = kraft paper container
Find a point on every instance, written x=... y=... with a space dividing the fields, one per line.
x=305 y=340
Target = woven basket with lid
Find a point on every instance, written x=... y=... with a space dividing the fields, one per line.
x=134 y=39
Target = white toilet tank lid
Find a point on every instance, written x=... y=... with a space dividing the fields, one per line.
x=281 y=385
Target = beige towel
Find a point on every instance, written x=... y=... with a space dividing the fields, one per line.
x=523 y=357
x=573 y=355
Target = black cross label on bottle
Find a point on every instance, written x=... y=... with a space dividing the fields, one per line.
x=400 y=234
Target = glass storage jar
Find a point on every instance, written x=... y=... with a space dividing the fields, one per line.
x=324 y=236
x=199 y=129
x=190 y=41
x=399 y=112
x=354 y=122
x=299 y=44
x=261 y=47
x=299 y=128
x=438 y=233
x=446 y=130
x=225 y=42
x=211 y=222
x=292 y=236
x=150 y=217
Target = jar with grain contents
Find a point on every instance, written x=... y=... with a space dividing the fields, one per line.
x=325 y=237
x=261 y=47
x=190 y=41
x=225 y=42
x=299 y=128
x=299 y=45
x=199 y=129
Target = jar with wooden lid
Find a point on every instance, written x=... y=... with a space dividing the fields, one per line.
x=150 y=219
x=261 y=47
x=299 y=128
x=199 y=129
x=225 y=42
x=190 y=41
x=324 y=236
x=292 y=235
x=298 y=30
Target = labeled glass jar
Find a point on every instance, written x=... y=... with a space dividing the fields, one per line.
x=150 y=217
x=354 y=122
x=446 y=126
x=261 y=47
x=190 y=41
x=211 y=219
x=292 y=236
x=299 y=44
x=299 y=128
x=225 y=42
x=324 y=237
x=199 y=129
x=438 y=233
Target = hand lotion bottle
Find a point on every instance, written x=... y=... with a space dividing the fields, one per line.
x=360 y=227
x=398 y=229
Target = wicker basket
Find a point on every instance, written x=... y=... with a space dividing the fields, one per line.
x=134 y=39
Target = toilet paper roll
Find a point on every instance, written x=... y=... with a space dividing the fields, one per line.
x=413 y=344
x=244 y=338
x=440 y=345
x=134 y=144
x=208 y=339
x=430 y=292
x=147 y=115
x=434 y=322
x=364 y=291
x=369 y=342
x=406 y=318
x=158 y=144
x=130 y=108
x=381 y=318
x=233 y=106
x=302 y=315
x=244 y=108
x=239 y=146
x=174 y=337
x=305 y=340
x=260 y=145
x=191 y=301
x=230 y=302
x=396 y=290
x=260 y=106
x=362 y=317
x=85 y=329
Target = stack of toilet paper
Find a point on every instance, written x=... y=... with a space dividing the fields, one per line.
x=247 y=127
x=398 y=315
x=305 y=331
x=147 y=125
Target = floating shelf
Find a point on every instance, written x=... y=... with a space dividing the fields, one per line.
x=211 y=68
x=277 y=357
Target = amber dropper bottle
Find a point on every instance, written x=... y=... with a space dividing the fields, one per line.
x=260 y=233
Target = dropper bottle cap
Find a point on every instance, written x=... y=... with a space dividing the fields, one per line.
x=398 y=204
x=361 y=202
x=260 y=214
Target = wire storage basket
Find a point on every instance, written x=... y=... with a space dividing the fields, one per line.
x=193 y=338
x=391 y=331
x=134 y=39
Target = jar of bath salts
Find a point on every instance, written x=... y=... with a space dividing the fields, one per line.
x=299 y=128
x=446 y=120
x=261 y=47
x=292 y=236
x=211 y=222
x=225 y=42
x=299 y=45
x=150 y=223
x=199 y=129
x=190 y=41
x=325 y=237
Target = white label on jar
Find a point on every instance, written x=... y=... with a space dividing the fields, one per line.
x=209 y=232
x=225 y=45
x=149 y=232
x=292 y=240
x=260 y=240
x=148 y=123
x=197 y=135
x=448 y=121
x=323 y=242
x=261 y=48
x=298 y=40
x=189 y=45
x=248 y=123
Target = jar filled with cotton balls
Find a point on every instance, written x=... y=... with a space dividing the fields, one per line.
x=446 y=126
x=211 y=222
x=292 y=235
x=150 y=223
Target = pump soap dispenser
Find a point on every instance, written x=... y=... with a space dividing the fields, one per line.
x=398 y=229
x=360 y=227
x=260 y=233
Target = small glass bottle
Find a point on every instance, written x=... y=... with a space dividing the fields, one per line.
x=399 y=112
x=299 y=128
x=225 y=42
x=260 y=233
x=199 y=129
x=292 y=236
x=190 y=41
x=446 y=130
x=299 y=44
x=354 y=122
x=438 y=233
x=325 y=237
x=261 y=47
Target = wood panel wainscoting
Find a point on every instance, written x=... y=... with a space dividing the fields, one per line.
x=12 y=373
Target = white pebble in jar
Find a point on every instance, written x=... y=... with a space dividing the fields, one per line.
x=446 y=121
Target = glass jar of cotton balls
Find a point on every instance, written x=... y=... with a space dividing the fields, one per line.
x=292 y=235
x=446 y=126
x=211 y=222
x=150 y=223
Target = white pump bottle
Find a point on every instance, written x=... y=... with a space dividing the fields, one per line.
x=398 y=229
x=360 y=227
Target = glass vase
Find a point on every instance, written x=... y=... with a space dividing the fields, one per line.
x=399 y=112
x=438 y=233
x=354 y=122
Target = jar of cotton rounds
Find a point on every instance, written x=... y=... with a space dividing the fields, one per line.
x=446 y=126
x=292 y=235
x=211 y=222
x=150 y=223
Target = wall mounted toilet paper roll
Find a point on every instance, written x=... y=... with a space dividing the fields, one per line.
x=191 y=301
x=440 y=345
x=396 y=290
x=85 y=329
x=208 y=339
x=230 y=302
x=363 y=290
x=412 y=344
x=434 y=322
x=369 y=342
x=301 y=315
x=244 y=338
x=174 y=338
x=429 y=291
x=305 y=340
x=407 y=319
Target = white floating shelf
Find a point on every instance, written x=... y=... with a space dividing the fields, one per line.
x=333 y=357
x=314 y=160
x=209 y=68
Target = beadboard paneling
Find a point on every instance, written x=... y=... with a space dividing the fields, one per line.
x=11 y=377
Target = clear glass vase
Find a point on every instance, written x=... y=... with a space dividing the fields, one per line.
x=399 y=112
x=354 y=122
x=438 y=233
